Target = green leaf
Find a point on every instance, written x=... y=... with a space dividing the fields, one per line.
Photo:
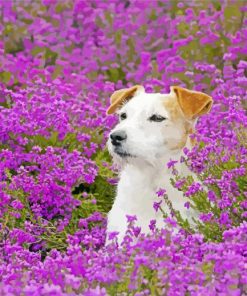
x=36 y=50
x=115 y=74
x=232 y=11
x=118 y=37
x=153 y=15
x=108 y=17
x=208 y=269
x=53 y=138
x=5 y=76
x=50 y=57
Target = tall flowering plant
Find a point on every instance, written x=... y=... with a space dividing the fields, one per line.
x=59 y=64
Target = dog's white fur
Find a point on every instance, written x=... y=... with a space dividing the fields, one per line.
x=150 y=146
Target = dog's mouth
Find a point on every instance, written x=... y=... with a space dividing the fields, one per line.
x=124 y=154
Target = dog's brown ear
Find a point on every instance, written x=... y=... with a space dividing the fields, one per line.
x=192 y=103
x=121 y=96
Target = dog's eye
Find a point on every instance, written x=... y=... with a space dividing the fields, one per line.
x=123 y=116
x=157 y=118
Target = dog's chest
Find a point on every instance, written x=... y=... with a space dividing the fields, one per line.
x=137 y=192
x=137 y=189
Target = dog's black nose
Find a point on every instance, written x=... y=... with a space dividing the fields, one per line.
x=118 y=137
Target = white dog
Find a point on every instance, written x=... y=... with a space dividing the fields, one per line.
x=153 y=129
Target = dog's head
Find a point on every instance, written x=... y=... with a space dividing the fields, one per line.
x=152 y=124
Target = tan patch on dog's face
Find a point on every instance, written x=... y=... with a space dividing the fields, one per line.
x=184 y=106
x=177 y=118
x=171 y=105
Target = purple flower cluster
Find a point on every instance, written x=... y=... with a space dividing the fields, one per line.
x=59 y=63
x=165 y=263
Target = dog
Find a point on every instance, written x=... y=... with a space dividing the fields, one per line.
x=153 y=128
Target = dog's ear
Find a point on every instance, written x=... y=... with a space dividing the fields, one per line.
x=192 y=103
x=121 y=96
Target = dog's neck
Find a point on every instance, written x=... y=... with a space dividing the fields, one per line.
x=156 y=175
x=152 y=174
x=160 y=163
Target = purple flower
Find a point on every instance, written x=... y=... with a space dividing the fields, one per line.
x=156 y=205
x=212 y=196
x=206 y=217
x=16 y=204
x=136 y=230
x=179 y=184
x=193 y=189
x=171 y=163
x=152 y=225
x=161 y=192
x=187 y=205
x=224 y=218
x=131 y=218
x=113 y=235
x=170 y=221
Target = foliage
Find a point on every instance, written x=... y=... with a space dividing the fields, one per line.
x=59 y=64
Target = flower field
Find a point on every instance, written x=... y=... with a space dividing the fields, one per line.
x=60 y=62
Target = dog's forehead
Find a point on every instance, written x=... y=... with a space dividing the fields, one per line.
x=146 y=102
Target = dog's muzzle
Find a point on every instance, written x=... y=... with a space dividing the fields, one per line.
x=118 y=137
